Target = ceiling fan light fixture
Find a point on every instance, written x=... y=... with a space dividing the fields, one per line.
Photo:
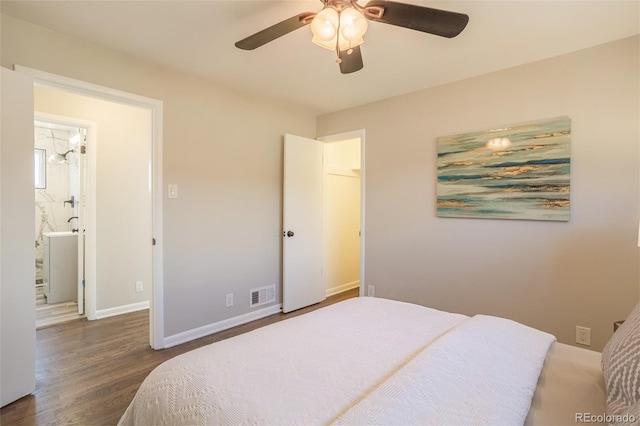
x=349 y=23
x=341 y=25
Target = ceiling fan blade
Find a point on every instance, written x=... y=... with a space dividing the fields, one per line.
x=275 y=31
x=433 y=21
x=350 y=62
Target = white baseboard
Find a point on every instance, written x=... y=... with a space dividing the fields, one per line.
x=215 y=327
x=342 y=288
x=124 y=309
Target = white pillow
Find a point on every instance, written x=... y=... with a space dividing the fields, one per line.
x=621 y=369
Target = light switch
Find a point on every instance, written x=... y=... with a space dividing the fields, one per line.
x=173 y=190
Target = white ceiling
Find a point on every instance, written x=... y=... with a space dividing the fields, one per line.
x=198 y=37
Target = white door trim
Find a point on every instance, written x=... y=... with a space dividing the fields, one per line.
x=351 y=135
x=78 y=87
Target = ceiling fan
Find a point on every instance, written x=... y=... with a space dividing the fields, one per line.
x=341 y=24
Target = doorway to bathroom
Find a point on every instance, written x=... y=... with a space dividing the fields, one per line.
x=123 y=226
x=60 y=165
x=117 y=214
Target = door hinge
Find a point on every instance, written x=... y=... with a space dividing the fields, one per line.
x=83 y=149
x=153 y=241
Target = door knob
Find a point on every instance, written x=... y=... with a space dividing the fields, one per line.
x=290 y=234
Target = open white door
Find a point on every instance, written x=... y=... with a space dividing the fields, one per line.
x=17 y=216
x=82 y=203
x=302 y=219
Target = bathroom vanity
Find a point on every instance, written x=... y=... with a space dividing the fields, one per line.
x=60 y=266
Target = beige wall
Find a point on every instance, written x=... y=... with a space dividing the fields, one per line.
x=224 y=151
x=553 y=276
x=123 y=196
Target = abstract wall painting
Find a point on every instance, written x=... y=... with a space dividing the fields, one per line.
x=519 y=172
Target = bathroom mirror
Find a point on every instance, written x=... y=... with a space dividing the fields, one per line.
x=40 y=168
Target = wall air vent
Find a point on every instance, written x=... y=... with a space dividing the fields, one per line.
x=262 y=295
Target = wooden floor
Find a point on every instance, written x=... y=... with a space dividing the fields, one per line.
x=87 y=372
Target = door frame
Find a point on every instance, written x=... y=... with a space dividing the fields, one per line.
x=78 y=87
x=352 y=135
x=88 y=217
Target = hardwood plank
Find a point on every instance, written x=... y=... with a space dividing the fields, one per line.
x=87 y=372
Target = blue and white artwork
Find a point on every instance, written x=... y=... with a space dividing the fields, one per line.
x=519 y=172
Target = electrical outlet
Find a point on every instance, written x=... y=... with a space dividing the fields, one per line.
x=139 y=287
x=371 y=291
x=583 y=335
x=229 y=300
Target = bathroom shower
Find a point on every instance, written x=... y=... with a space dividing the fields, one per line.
x=57 y=200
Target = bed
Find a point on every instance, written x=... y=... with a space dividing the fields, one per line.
x=367 y=361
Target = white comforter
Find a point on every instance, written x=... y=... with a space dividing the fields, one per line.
x=361 y=361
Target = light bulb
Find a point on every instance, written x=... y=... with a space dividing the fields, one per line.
x=325 y=27
x=352 y=26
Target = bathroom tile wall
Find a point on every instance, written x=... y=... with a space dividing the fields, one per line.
x=52 y=214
